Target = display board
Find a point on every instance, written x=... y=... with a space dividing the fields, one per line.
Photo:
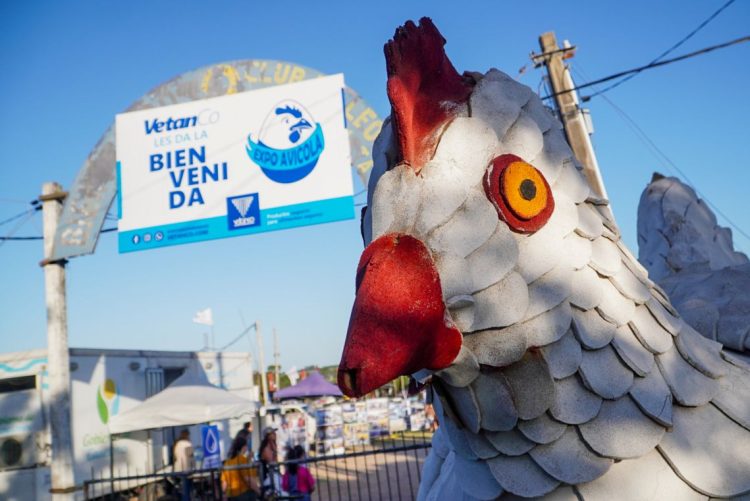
x=330 y=430
x=263 y=160
x=293 y=431
x=356 y=427
x=377 y=416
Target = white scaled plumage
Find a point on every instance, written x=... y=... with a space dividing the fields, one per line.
x=576 y=379
x=558 y=369
x=693 y=259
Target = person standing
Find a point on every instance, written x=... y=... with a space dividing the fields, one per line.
x=297 y=480
x=239 y=484
x=269 y=436
x=247 y=433
x=267 y=472
x=183 y=453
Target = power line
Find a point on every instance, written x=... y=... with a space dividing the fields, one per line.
x=665 y=53
x=108 y=216
x=240 y=336
x=9 y=237
x=17 y=216
x=29 y=214
x=652 y=65
x=669 y=161
x=660 y=155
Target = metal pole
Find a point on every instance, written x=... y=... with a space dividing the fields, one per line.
x=571 y=114
x=58 y=356
x=111 y=465
x=276 y=358
x=261 y=362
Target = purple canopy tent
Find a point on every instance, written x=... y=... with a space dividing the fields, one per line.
x=314 y=385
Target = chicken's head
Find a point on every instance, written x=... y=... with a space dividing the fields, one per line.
x=472 y=194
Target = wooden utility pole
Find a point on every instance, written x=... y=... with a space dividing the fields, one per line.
x=571 y=114
x=262 y=363
x=58 y=355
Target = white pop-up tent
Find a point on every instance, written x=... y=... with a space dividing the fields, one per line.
x=189 y=400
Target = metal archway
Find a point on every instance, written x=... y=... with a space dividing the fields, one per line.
x=95 y=188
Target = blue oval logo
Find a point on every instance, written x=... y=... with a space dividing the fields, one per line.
x=289 y=143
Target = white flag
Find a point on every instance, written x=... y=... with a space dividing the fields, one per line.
x=204 y=317
x=293 y=375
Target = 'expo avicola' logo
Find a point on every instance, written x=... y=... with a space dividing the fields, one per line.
x=289 y=143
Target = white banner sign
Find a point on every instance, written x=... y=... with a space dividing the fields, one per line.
x=264 y=160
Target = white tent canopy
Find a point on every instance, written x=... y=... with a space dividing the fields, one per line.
x=189 y=400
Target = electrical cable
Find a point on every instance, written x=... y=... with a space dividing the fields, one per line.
x=10 y=237
x=539 y=87
x=29 y=214
x=108 y=216
x=660 y=155
x=13 y=218
x=242 y=334
x=671 y=163
x=652 y=65
x=663 y=54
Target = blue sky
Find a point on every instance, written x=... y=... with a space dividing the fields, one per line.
x=68 y=68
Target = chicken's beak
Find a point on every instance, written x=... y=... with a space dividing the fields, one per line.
x=399 y=324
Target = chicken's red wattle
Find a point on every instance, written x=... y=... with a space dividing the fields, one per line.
x=399 y=324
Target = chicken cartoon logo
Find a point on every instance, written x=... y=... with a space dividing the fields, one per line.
x=289 y=143
x=557 y=368
x=107 y=400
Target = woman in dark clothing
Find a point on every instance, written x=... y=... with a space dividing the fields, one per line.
x=267 y=456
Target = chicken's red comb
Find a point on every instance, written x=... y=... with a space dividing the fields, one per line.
x=424 y=88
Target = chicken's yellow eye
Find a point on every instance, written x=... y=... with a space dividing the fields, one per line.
x=524 y=190
x=519 y=192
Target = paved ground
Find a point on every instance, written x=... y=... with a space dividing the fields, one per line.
x=386 y=476
x=382 y=475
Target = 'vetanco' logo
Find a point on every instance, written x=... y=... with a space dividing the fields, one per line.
x=170 y=123
x=289 y=143
x=107 y=400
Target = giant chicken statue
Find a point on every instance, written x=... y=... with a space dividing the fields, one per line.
x=558 y=369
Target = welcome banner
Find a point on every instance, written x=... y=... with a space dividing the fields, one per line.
x=263 y=160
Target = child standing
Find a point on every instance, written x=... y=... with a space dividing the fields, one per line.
x=297 y=480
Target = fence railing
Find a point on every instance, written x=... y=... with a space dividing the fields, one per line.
x=389 y=468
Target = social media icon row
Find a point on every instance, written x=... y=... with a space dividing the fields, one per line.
x=147 y=237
